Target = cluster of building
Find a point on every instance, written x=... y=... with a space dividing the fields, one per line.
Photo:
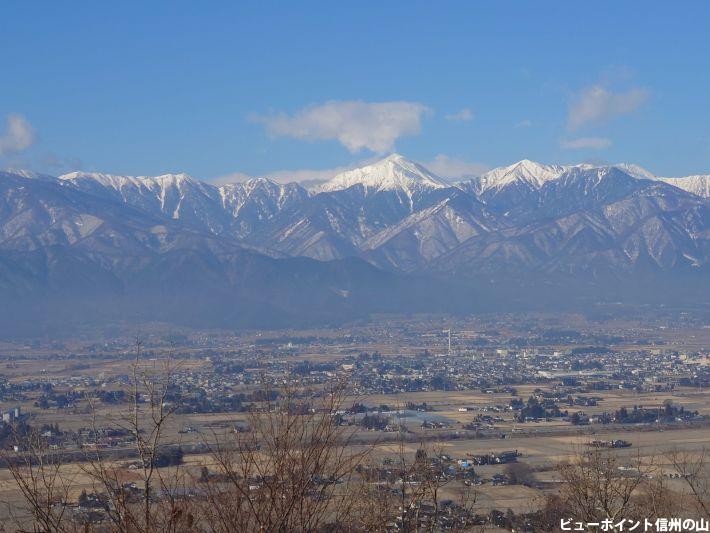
x=11 y=415
x=572 y=370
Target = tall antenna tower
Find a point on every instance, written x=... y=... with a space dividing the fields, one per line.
x=448 y=331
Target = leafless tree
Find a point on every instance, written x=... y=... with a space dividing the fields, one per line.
x=407 y=493
x=694 y=469
x=292 y=469
x=45 y=484
x=598 y=485
x=294 y=466
x=154 y=504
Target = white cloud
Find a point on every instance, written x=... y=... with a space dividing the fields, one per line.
x=355 y=124
x=526 y=123
x=452 y=168
x=18 y=137
x=597 y=104
x=464 y=115
x=594 y=143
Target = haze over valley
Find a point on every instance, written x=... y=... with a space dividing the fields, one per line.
x=390 y=236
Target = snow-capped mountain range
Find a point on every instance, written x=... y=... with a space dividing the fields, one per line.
x=524 y=221
x=395 y=213
x=535 y=175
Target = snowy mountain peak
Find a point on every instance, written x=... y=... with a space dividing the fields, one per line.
x=533 y=175
x=528 y=172
x=256 y=183
x=394 y=157
x=394 y=172
x=261 y=186
x=241 y=191
x=27 y=174
x=112 y=181
x=176 y=179
x=118 y=182
x=698 y=185
x=637 y=171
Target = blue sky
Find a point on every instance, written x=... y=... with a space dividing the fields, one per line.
x=216 y=88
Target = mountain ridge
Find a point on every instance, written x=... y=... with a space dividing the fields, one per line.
x=525 y=225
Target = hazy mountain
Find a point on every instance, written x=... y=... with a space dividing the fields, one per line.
x=591 y=221
x=636 y=171
x=69 y=256
x=237 y=209
x=342 y=214
x=394 y=173
x=175 y=247
x=426 y=234
x=525 y=173
x=394 y=212
x=698 y=185
x=250 y=206
x=176 y=196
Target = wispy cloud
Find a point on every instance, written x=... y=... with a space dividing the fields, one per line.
x=55 y=163
x=594 y=143
x=526 y=123
x=355 y=124
x=306 y=175
x=449 y=168
x=232 y=177
x=465 y=115
x=18 y=136
x=452 y=168
x=300 y=175
x=598 y=104
x=284 y=176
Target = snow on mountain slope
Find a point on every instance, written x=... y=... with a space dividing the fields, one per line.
x=120 y=183
x=237 y=207
x=512 y=187
x=581 y=188
x=176 y=196
x=528 y=172
x=26 y=174
x=271 y=195
x=397 y=214
x=427 y=234
x=254 y=203
x=535 y=175
x=42 y=214
x=392 y=173
x=161 y=193
x=598 y=221
x=698 y=185
x=340 y=215
x=636 y=171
